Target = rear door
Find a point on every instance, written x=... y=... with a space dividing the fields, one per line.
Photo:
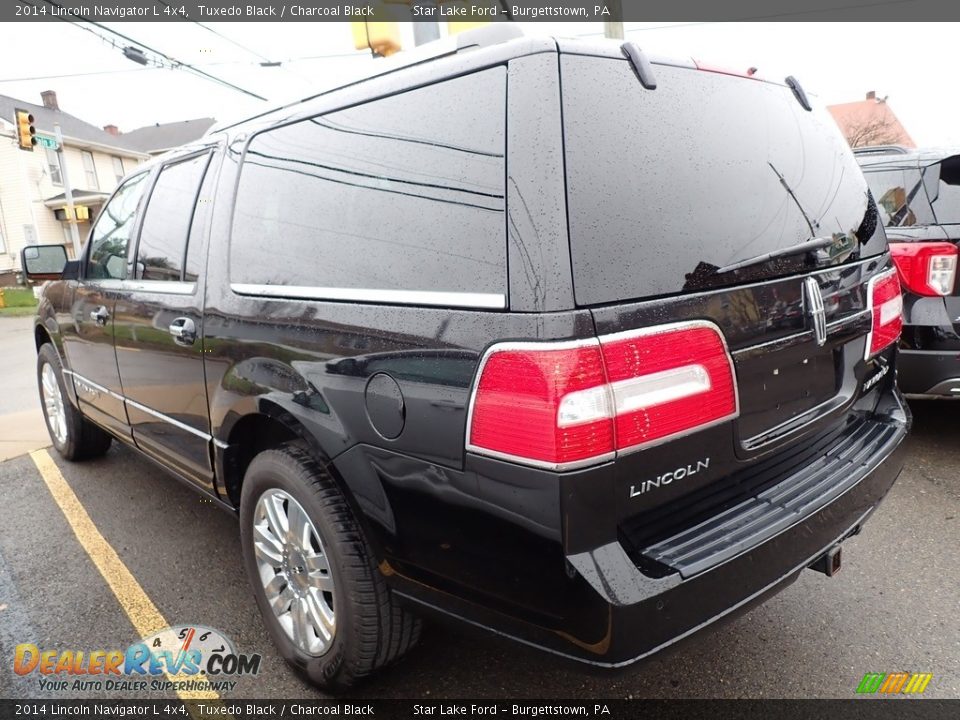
x=89 y=341
x=682 y=201
x=158 y=322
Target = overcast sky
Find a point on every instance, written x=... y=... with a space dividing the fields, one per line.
x=914 y=65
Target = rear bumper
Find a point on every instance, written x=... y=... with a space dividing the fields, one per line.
x=929 y=373
x=615 y=614
x=660 y=612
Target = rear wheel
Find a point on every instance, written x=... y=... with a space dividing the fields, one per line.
x=323 y=600
x=73 y=436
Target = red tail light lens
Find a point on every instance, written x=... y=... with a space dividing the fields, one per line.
x=566 y=405
x=886 y=307
x=545 y=403
x=928 y=269
x=667 y=381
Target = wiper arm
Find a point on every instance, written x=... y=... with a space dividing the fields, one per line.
x=805 y=247
x=783 y=181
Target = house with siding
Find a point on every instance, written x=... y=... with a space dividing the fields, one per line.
x=33 y=207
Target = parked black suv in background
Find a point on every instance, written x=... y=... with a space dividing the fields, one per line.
x=583 y=346
x=918 y=192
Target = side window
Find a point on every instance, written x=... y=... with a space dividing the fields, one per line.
x=111 y=234
x=946 y=206
x=402 y=193
x=166 y=221
x=900 y=197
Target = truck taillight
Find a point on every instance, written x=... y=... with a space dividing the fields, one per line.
x=570 y=404
x=886 y=309
x=668 y=381
x=927 y=269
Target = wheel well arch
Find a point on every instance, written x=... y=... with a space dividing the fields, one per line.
x=251 y=435
x=41 y=336
x=269 y=428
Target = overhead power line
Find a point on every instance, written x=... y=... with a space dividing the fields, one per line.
x=177 y=64
x=266 y=61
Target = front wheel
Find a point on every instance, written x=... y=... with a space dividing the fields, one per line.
x=324 y=602
x=73 y=436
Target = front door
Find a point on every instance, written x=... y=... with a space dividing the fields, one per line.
x=158 y=322
x=89 y=340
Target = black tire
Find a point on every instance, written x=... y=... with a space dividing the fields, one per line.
x=372 y=630
x=83 y=440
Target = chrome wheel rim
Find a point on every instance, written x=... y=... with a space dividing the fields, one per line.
x=53 y=404
x=295 y=571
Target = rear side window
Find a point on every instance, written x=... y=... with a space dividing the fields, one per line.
x=667 y=187
x=946 y=205
x=402 y=193
x=900 y=195
x=166 y=221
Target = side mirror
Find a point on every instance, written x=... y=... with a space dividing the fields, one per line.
x=43 y=262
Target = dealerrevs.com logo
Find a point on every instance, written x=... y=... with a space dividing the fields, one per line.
x=180 y=658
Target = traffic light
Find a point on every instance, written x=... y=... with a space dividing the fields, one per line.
x=383 y=38
x=26 y=132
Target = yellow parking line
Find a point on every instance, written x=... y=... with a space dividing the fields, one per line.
x=144 y=615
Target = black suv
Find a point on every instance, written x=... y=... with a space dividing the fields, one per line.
x=918 y=192
x=580 y=345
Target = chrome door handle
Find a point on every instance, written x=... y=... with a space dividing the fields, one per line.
x=100 y=316
x=184 y=331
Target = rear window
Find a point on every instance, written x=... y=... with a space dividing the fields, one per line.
x=404 y=193
x=946 y=204
x=900 y=196
x=669 y=187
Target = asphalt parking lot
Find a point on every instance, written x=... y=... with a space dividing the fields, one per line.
x=894 y=607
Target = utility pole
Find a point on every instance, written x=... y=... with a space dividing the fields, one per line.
x=425 y=31
x=67 y=192
x=614 y=28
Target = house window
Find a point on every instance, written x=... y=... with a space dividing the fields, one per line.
x=118 y=168
x=53 y=165
x=3 y=244
x=90 y=171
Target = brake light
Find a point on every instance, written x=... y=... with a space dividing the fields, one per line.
x=886 y=308
x=668 y=381
x=567 y=405
x=928 y=269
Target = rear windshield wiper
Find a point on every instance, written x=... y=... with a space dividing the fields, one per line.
x=806 y=246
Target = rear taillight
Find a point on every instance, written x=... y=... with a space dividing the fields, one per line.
x=545 y=403
x=928 y=269
x=667 y=381
x=566 y=405
x=886 y=309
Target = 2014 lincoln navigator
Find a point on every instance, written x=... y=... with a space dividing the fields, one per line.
x=585 y=346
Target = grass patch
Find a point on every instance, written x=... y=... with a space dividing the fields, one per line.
x=17 y=312
x=18 y=298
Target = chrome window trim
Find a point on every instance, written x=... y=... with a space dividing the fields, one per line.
x=431 y=298
x=166 y=287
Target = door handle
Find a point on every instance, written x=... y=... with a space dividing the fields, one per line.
x=100 y=316
x=184 y=331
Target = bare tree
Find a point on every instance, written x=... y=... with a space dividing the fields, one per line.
x=876 y=130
